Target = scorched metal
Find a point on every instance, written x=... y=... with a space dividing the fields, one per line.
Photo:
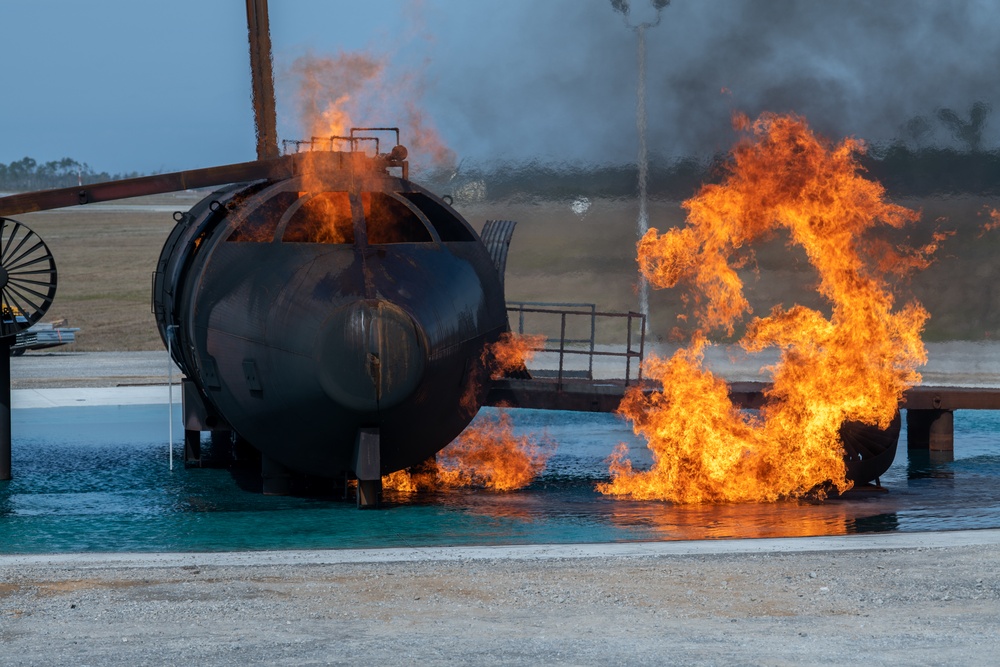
x=334 y=320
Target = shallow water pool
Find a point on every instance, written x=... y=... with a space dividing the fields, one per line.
x=97 y=479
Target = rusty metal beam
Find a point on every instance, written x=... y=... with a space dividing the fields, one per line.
x=604 y=396
x=544 y=394
x=28 y=202
x=951 y=398
x=259 y=33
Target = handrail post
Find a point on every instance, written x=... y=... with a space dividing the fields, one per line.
x=642 y=344
x=593 y=335
x=562 y=348
x=170 y=390
x=628 y=348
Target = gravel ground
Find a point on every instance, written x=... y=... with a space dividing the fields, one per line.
x=780 y=605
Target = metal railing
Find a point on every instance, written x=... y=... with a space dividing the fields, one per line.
x=352 y=141
x=586 y=311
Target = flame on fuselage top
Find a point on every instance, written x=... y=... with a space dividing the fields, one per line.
x=337 y=93
x=853 y=365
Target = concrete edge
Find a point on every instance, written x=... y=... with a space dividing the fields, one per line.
x=159 y=394
x=534 y=552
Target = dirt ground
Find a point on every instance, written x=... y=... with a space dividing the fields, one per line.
x=886 y=606
x=105 y=255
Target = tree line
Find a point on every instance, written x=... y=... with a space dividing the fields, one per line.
x=903 y=170
x=28 y=174
x=909 y=166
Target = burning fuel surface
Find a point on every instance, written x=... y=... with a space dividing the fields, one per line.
x=487 y=454
x=850 y=363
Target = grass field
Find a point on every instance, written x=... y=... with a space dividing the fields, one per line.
x=106 y=255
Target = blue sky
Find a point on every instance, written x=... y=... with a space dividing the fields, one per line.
x=141 y=86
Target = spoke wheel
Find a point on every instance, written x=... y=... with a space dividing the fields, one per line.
x=27 y=278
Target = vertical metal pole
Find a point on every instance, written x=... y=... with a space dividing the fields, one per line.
x=642 y=345
x=5 y=409
x=593 y=335
x=259 y=32
x=562 y=349
x=170 y=389
x=643 y=160
x=628 y=349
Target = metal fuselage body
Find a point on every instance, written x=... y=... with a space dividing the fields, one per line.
x=299 y=335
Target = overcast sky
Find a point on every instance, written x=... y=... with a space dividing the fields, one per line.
x=126 y=85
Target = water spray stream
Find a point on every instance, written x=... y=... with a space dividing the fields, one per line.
x=642 y=222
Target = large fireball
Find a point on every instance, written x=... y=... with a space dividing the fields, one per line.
x=850 y=365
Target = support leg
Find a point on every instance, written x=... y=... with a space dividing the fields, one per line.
x=192 y=448
x=277 y=478
x=368 y=467
x=932 y=430
x=5 y=472
x=369 y=491
x=930 y=435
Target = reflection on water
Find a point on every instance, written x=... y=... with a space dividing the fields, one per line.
x=923 y=463
x=96 y=479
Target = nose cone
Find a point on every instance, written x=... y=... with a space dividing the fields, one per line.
x=371 y=355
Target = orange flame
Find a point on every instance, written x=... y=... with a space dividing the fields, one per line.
x=511 y=353
x=327 y=88
x=335 y=93
x=994 y=222
x=332 y=94
x=852 y=365
x=487 y=453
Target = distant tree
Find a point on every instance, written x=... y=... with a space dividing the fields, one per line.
x=27 y=174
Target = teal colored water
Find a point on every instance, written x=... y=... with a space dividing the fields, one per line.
x=97 y=479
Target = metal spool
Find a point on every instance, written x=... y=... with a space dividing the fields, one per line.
x=27 y=278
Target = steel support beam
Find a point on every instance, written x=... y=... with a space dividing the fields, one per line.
x=259 y=32
x=28 y=202
x=192 y=448
x=933 y=430
x=276 y=479
x=368 y=467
